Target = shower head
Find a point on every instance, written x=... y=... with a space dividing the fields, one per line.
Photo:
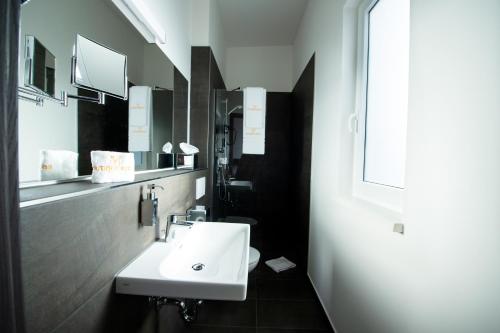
x=238 y=107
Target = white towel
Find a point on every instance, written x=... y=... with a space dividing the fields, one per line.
x=188 y=149
x=254 y=120
x=140 y=105
x=111 y=166
x=167 y=148
x=280 y=264
x=58 y=164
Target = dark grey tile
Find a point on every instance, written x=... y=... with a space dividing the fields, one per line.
x=225 y=313
x=279 y=289
x=216 y=329
x=282 y=330
x=180 y=106
x=72 y=248
x=107 y=311
x=291 y=315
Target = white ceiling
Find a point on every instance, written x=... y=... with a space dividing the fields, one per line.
x=260 y=22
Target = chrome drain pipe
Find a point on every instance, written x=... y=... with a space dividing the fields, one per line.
x=188 y=308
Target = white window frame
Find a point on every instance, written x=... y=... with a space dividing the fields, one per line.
x=385 y=196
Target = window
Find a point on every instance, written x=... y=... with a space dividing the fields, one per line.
x=381 y=140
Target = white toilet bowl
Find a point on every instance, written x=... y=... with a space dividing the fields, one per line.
x=253 y=259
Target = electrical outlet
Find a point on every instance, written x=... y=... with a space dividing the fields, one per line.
x=399 y=228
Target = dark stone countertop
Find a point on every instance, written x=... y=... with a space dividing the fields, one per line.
x=47 y=193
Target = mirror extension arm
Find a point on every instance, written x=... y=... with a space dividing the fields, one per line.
x=38 y=98
x=31 y=95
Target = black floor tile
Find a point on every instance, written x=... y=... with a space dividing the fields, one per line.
x=252 y=287
x=279 y=289
x=291 y=315
x=262 y=271
x=225 y=313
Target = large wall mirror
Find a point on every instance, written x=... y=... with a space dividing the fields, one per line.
x=74 y=36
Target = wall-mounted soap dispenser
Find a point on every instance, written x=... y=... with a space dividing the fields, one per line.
x=149 y=208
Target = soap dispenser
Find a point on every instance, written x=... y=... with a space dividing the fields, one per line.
x=149 y=207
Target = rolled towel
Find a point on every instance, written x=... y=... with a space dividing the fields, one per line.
x=58 y=164
x=111 y=166
x=188 y=149
x=167 y=148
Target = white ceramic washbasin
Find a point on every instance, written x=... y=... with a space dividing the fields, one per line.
x=206 y=261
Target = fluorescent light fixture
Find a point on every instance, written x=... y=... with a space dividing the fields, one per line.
x=138 y=13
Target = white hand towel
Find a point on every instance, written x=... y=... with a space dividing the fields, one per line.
x=254 y=120
x=280 y=264
x=111 y=166
x=140 y=106
x=58 y=164
x=188 y=149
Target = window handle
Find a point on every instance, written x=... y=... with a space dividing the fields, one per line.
x=352 y=122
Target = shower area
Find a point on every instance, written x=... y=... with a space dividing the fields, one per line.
x=232 y=194
x=261 y=187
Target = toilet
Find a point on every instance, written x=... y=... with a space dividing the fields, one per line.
x=254 y=254
x=253 y=260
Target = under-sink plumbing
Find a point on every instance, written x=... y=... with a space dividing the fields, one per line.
x=188 y=308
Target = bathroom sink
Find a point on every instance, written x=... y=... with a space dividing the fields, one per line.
x=208 y=260
x=240 y=185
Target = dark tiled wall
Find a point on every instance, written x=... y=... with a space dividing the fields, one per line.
x=302 y=121
x=180 y=108
x=270 y=174
x=205 y=78
x=200 y=96
x=72 y=249
x=100 y=127
x=281 y=177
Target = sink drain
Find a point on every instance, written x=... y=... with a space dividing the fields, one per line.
x=198 y=267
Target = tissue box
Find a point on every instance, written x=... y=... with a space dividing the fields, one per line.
x=166 y=160
x=186 y=161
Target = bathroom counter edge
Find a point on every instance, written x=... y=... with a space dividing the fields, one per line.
x=43 y=194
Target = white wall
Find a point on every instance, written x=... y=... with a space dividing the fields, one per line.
x=200 y=22
x=442 y=275
x=217 y=40
x=207 y=30
x=175 y=18
x=157 y=69
x=269 y=67
x=453 y=162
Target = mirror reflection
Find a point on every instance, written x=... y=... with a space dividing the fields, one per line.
x=51 y=135
x=96 y=67
x=40 y=67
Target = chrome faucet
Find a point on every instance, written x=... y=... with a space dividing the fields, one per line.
x=177 y=219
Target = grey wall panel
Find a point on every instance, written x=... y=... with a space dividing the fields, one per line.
x=200 y=94
x=110 y=312
x=72 y=248
x=180 y=109
x=205 y=78
x=302 y=122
